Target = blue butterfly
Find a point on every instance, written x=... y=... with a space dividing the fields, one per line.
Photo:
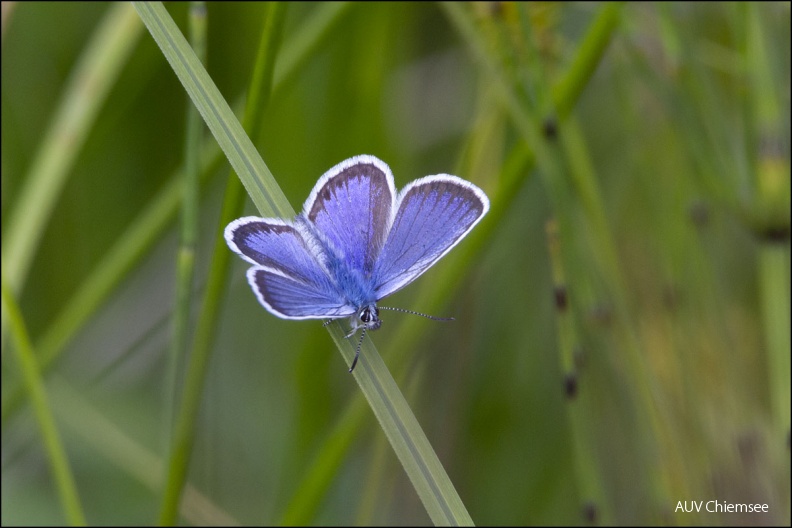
x=355 y=242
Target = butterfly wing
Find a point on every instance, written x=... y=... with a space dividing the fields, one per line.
x=350 y=208
x=433 y=214
x=290 y=298
x=287 y=275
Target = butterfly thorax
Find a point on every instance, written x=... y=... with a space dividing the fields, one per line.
x=355 y=284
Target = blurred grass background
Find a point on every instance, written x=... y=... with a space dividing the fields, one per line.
x=622 y=322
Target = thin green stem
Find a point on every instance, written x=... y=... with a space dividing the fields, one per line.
x=589 y=480
x=772 y=213
x=590 y=52
x=181 y=448
x=59 y=462
x=185 y=260
x=774 y=291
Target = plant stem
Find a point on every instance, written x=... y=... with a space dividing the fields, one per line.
x=59 y=462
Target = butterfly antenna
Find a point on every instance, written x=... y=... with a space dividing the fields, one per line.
x=357 y=351
x=432 y=317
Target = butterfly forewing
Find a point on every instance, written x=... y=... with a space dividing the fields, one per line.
x=434 y=213
x=273 y=243
x=350 y=207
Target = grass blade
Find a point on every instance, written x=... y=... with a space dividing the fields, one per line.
x=185 y=259
x=400 y=426
x=243 y=156
x=184 y=431
x=59 y=462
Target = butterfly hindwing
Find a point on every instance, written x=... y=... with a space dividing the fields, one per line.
x=287 y=276
x=293 y=299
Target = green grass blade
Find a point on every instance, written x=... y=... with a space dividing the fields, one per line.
x=590 y=51
x=184 y=433
x=419 y=460
x=243 y=156
x=59 y=462
x=185 y=259
x=408 y=440
x=772 y=209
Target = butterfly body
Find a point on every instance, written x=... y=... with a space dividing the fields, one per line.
x=354 y=282
x=355 y=242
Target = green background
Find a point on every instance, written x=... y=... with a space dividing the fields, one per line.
x=668 y=180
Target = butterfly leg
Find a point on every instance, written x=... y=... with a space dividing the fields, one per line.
x=355 y=326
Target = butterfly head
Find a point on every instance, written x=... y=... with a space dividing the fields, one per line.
x=369 y=316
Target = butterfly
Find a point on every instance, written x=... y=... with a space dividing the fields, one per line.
x=355 y=242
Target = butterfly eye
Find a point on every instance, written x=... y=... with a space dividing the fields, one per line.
x=370 y=317
x=368 y=314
